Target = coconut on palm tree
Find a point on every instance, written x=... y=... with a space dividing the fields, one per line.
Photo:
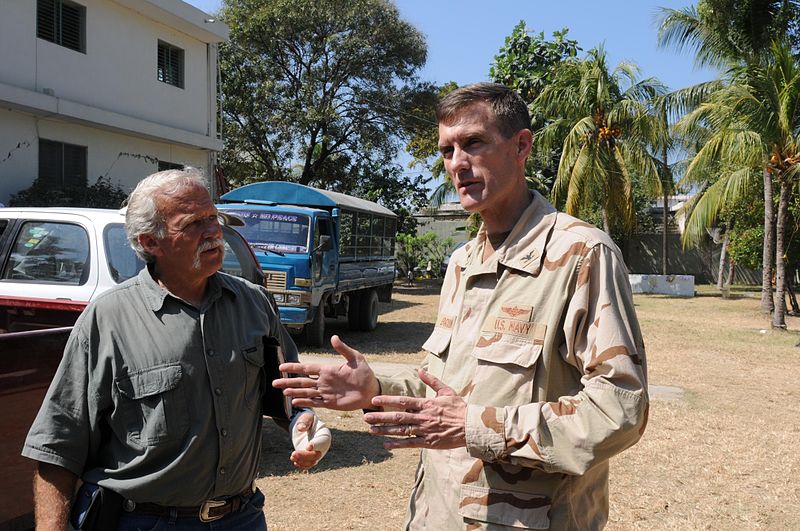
x=601 y=120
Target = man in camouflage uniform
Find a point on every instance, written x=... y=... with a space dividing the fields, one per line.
x=536 y=370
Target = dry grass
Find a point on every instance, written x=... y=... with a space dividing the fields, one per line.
x=723 y=457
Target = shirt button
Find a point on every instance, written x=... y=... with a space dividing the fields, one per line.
x=218 y=391
x=210 y=352
x=221 y=471
x=224 y=432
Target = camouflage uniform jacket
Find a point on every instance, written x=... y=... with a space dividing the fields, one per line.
x=543 y=343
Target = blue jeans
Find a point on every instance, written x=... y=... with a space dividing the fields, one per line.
x=249 y=518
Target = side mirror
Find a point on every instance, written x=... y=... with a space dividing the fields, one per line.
x=324 y=244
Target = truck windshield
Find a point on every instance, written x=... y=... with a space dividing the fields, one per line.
x=274 y=231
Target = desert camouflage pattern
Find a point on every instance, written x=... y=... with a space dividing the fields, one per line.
x=543 y=343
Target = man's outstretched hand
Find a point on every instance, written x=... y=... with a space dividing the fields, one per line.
x=351 y=385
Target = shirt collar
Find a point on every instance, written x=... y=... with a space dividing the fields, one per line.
x=155 y=294
x=523 y=249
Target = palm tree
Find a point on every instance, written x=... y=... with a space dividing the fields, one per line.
x=605 y=123
x=726 y=34
x=751 y=127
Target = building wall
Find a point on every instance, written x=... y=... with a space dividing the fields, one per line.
x=118 y=71
x=109 y=98
x=123 y=159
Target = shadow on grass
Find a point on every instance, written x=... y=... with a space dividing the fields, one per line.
x=404 y=337
x=350 y=449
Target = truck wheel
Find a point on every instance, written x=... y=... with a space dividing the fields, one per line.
x=315 y=330
x=354 y=310
x=369 y=311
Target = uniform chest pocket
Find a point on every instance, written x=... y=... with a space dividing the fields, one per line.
x=254 y=379
x=153 y=404
x=504 y=371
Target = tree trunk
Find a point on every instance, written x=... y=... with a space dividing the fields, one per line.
x=606 y=224
x=722 y=254
x=666 y=188
x=664 y=221
x=779 y=315
x=768 y=253
x=790 y=274
x=731 y=275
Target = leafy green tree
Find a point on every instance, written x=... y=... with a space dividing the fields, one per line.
x=314 y=91
x=527 y=62
x=415 y=251
x=602 y=122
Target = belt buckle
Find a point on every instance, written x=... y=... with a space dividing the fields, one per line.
x=207 y=506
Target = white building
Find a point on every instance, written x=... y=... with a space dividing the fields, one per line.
x=115 y=88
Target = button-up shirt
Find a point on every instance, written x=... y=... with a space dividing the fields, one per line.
x=159 y=400
x=541 y=340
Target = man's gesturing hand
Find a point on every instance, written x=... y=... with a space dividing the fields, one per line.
x=348 y=386
x=437 y=423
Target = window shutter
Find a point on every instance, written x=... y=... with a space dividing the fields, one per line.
x=74 y=165
x=50 y=157
x=71 y=27
x=46 y=20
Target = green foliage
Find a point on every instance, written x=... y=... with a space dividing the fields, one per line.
x=102 y=194
x=415 y=251
x=727 y=32
x=744 y=218
x=315 y=92
x=527 y=61
x=400 y=193
x=601 y=121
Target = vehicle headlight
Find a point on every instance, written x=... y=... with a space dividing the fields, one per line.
x=293 y=299
x=279 y=297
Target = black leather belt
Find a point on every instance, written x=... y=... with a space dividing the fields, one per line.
x=209 y=511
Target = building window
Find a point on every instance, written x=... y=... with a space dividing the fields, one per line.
x=62 y=164
x=62 y=22
x=163 y=165
x=170 y=64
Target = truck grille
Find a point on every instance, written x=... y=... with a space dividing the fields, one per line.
x=275 y=280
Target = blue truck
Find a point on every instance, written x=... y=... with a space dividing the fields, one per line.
x=324 y=254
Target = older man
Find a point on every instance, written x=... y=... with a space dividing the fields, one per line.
x=535 y=375
x=158 y=398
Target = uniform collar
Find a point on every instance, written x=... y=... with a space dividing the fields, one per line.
x=523 y=249
x=155 y=294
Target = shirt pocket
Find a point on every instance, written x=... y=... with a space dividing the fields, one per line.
x=514 y=510
x=153 y=404
x=504 y=372
x=253 y=356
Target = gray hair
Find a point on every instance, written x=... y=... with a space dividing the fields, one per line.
x=511 y=113
x=144 y=216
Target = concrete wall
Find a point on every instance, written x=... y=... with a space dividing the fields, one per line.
x=118 y=71
x=643 y=255
x=123 y=159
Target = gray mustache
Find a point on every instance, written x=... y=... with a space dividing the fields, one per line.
x=210 y=244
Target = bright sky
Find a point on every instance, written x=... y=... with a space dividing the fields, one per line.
x=463 y=36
